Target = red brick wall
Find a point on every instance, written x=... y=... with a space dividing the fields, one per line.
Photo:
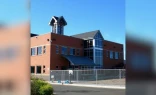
x=109 y=63
x=44 y=59
x=50 y=59
x=69 y=42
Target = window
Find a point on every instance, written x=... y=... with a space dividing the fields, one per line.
x=111 y=54
x=99 y=43
x=71 y=51
x=33 y=51
x=88 y=53
x=44 y=49
x=116 y=55
x=99 y=57
x=39 y=50
x=98 y=40
x=57 y=49
x=88 y=43
x=38 y=70
x=64 y=50
x=32 y=69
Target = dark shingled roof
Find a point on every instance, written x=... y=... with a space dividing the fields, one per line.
x=32 y=34
x=61 y=18
x=86 y=35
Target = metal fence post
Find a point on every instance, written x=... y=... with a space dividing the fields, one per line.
x=119 y=73
x=77 y=72
x=96 y=76
x=61 y=76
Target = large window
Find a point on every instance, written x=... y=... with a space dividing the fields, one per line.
x=98 y=43
x=89 y=53
x=99 y=57
x=71 y=51
x=88 y=43
x=111 y=54
x=39 y=50
x=33 y=51
x=116 y=55
x=38 y=70
x=32 y=69
x=64 y=50
x=98 y=40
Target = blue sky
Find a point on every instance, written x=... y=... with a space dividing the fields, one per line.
x=111 y=17
x=141 y=18
x=108 y=16
x=13 y=11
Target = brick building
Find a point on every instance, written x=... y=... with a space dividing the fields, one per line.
x=89 y=50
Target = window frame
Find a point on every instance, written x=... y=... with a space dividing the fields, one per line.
x=71 y=51
x=41 y=52
x=57 y=49
x=111 y=54
x=31 y=69
x=116 y=55
x=34 y=51
x=64 y=52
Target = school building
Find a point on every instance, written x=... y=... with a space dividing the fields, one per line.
x=88 y=50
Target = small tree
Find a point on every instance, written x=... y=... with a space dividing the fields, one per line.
x=40 y=87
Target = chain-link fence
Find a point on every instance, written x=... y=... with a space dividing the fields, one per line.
x=100 y=76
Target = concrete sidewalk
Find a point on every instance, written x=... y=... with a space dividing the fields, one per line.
x=93 y=86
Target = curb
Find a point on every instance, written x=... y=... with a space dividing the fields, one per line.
x=93 y=86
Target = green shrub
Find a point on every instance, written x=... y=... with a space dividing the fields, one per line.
x=40 y=87
x=46 y=90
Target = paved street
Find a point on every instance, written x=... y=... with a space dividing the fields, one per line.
x=73 y=90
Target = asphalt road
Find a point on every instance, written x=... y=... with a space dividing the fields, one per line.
x=73 y=90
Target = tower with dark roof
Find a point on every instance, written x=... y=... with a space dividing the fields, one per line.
x=58 y=24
